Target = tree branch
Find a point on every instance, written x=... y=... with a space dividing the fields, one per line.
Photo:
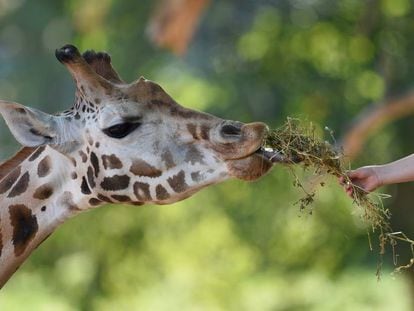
x=371 y=120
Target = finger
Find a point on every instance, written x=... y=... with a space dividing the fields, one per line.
x=355 y=174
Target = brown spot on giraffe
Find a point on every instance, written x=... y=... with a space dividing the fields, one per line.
x=20 y=186
x=37 y=153
x=73 y=175
x=142 y=191
x=205 y=131
x=111 y=161
x=121 y=198
x=167 y=157
x=104 y=198
x=73 y=161
x=91 y=179
x=95 y=163
x=192 y=128
x=161 y=193
x=84 y=187
x=94 y=201
x=43 y=169
x=83 y=155
x=193 y=155
x=142 y=168
x=8 y=166
x=195 y=176
x=177 y=182
x=116 y=182
x=24 y=225
x=43 y=192
x=136 y=203
x=9 y=180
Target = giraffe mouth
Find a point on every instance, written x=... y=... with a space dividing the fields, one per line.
x=271 y=155
x=275 y=156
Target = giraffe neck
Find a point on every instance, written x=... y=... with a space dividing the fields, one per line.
x=37 y=196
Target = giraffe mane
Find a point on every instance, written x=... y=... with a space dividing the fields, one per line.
x=7 y=166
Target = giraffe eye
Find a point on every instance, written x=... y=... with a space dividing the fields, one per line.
x=121 y=130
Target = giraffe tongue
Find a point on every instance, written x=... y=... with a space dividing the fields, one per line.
x=271 y=155
x=275 y=156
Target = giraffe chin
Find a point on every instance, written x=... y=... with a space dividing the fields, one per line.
x=251 y=167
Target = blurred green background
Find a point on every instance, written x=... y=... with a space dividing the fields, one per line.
x=234 y=246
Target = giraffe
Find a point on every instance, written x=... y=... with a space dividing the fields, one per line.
x=119 y=143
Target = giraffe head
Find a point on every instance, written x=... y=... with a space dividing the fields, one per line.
x=133 y=142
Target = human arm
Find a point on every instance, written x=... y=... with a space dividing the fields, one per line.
x=371 y=177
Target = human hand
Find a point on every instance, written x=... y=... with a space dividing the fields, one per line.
x=366 y=177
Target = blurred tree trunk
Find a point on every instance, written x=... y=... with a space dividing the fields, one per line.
x=174 y=22
x=372 y=120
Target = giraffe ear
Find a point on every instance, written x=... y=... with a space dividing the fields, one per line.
x=31 y=127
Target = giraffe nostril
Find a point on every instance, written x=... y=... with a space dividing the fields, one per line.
x=231 y=130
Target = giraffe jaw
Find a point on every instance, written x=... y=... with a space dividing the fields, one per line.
x=256 y=164
x=249 y=168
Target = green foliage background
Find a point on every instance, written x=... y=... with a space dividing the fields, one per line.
x=234 y=246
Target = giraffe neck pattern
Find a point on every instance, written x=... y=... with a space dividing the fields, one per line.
x=37 y=196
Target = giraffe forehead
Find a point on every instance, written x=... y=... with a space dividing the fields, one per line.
x=137 y=107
